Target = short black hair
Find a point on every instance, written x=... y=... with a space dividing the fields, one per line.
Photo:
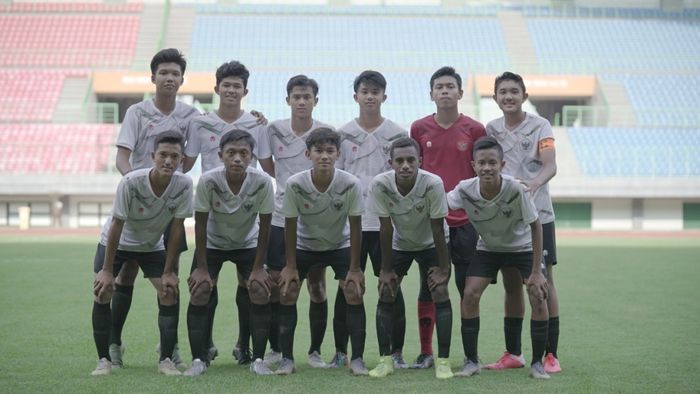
x=370 y=78
x=232 y=69
x=169 y=55
x=237 y=135
x=403 y=142
x=488 y=142
x=509 y=76
x=323 y=135
x=446 y=71
x=169 y=137
x=302 y=81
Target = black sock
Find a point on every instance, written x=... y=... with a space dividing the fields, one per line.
x=288 y=324
x=274 y=337
x=553 y=336
x=340 y=331
x=356 y=324
x=384 y=327
x=197 y=322
x=512 y=330
x=259 y=328
x=121 y=303
x=538 y=333
x=243 y=304
x=168 y=316
x=211 y=311
x=470 y=338
x=101 y=326
x=443 y=326
x=318 y=320
x=398 y=323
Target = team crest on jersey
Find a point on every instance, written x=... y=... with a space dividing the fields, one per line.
x=525 y=144
x=420 y=206
x=507 y=212
x=217 y=204
x=248 y=206
x=354 y=149
x=386 y=148
x=171 y=208
x=150 y=126
x=338 y=204
x=462 y=145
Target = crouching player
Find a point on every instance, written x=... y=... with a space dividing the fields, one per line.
x=146 y=201
x=510 y=239
x=414 y=200
x=229 y=201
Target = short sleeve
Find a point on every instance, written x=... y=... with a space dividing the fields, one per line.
x=194 y=145
x=437 y=201
x=289 y=207
x=268 y=198
x=527 y=206
x=202 y=200
x=129 y=132
x=263 y=142
x=454 y=201
x=120 y=209
x=184 y=208
x=377 y=204
x=355 y=206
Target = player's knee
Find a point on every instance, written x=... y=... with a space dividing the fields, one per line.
x=352 y=296
x=258 y=294
x=472 y=296
x=387 y=296
x=440 y=293
x=291 y=295
x=317 y=291
x=169 y=298
x=104 y=298
x=201 y=295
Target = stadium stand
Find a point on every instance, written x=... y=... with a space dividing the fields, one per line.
x=52 y=7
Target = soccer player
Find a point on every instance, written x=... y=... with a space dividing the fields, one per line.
x=364 y=152
x=510 y=238
x=528 y=144
x=287 y=144
x=446 y=139
x=414 y=201
x=146 y=201
x=228 y=203
x=204 y=135
x=142 y=124
x=318 y=204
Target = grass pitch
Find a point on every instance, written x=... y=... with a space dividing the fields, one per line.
x=629 y=321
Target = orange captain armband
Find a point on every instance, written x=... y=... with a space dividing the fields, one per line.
x=547 y=143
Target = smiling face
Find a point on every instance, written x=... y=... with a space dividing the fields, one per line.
x=445 y=92
x=168 y=78
x=167 y=158
x=487 y=165
x=369 y=97
x=510 y=96
x=236 y=156
x=231 y=91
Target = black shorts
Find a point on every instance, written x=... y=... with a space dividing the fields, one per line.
x=462 y=244
x=182 y=245
x=549 y=244
x=338 y=260
x=276 y=259
x=371 y=247
x=426 y=258
x=151 y=263
x=487 y=264
x=243 y=258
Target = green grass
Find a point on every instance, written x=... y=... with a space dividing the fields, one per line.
x=630 y=314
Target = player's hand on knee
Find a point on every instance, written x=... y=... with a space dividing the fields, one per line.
x=103 y=284
x=197 y=278
x=437 y=276
x=388 y=282
x=261 y=277
x=356 y=279
x=288 y=277
x=169 y=283
x=537 y=285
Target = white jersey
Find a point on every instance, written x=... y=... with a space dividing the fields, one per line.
x=410 y=214
x=144 y=214
x=503 y=223
x=205 y=132
x=288 y=150
x=142 y=124
x=366 y=155
x=522 y=155
x=323 y=217
x=233 y=218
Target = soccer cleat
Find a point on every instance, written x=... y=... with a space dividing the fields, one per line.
x=357 y=367
x=399 y=362
x=177 y=360
x=442 y=369
x=259 y=367
x=212 y=352
x=242 y=355
x=286 y=367
x=507 y=361
x=339 y=360
x=384 y=368
x=470 y=368
x=423 y=361
x=537 y=371
x=167 y=367
x=197 y=368
x=115 y=353
x=315 y=360
x=104 y=367
x=551 y=364
x=272 y=358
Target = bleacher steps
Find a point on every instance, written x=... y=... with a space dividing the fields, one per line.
x=517 y=39
x=621 y=112
x=70 y=103
x=149 y=33
x=179 y=28
x=567 y=165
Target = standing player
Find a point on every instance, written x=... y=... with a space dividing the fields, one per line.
x=446 y=139
x=229 y=201
x=287 y=144
x=146 y=202
x=142 y=124
x=318 y=204
x=204 y=134
x=510 y=237
x=414 y=201
x=364 y=152
x=528 y=144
